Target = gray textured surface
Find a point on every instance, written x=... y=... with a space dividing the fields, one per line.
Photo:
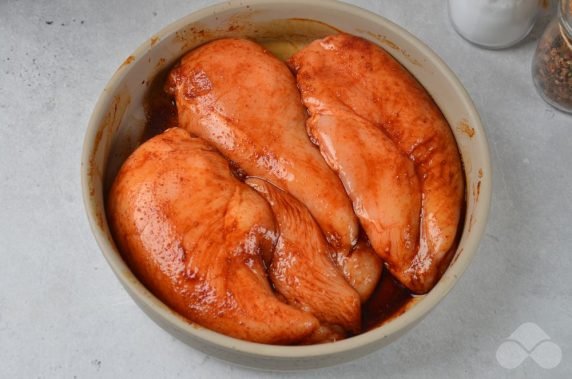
x=63 y=313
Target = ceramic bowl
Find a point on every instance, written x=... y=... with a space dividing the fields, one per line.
x=117 y=123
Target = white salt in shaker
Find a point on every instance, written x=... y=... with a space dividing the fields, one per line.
x=493 y=24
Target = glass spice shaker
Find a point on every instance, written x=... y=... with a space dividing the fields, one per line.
x=552 y=62
x=493 y=24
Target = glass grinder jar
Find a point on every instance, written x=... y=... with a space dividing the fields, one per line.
x=552 y=62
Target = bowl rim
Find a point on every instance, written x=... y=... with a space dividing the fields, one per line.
x=393 y=326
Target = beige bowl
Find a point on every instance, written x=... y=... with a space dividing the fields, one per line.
x=118 y=120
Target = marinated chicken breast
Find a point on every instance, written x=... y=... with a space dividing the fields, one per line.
x=244 y=101
x=301 y=268
x=195 y=235
x=348 y=80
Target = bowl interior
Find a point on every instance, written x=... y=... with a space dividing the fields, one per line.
x=118 y=121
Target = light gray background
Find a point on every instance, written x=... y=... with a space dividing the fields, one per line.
x=63 y=313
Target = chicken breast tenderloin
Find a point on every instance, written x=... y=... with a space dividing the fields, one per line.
x=346 y=79
x=302 y=269
x=243 y=100
x=194 y=235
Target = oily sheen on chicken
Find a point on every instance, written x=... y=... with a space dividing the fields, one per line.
x=355 y=91
x=195 y=236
